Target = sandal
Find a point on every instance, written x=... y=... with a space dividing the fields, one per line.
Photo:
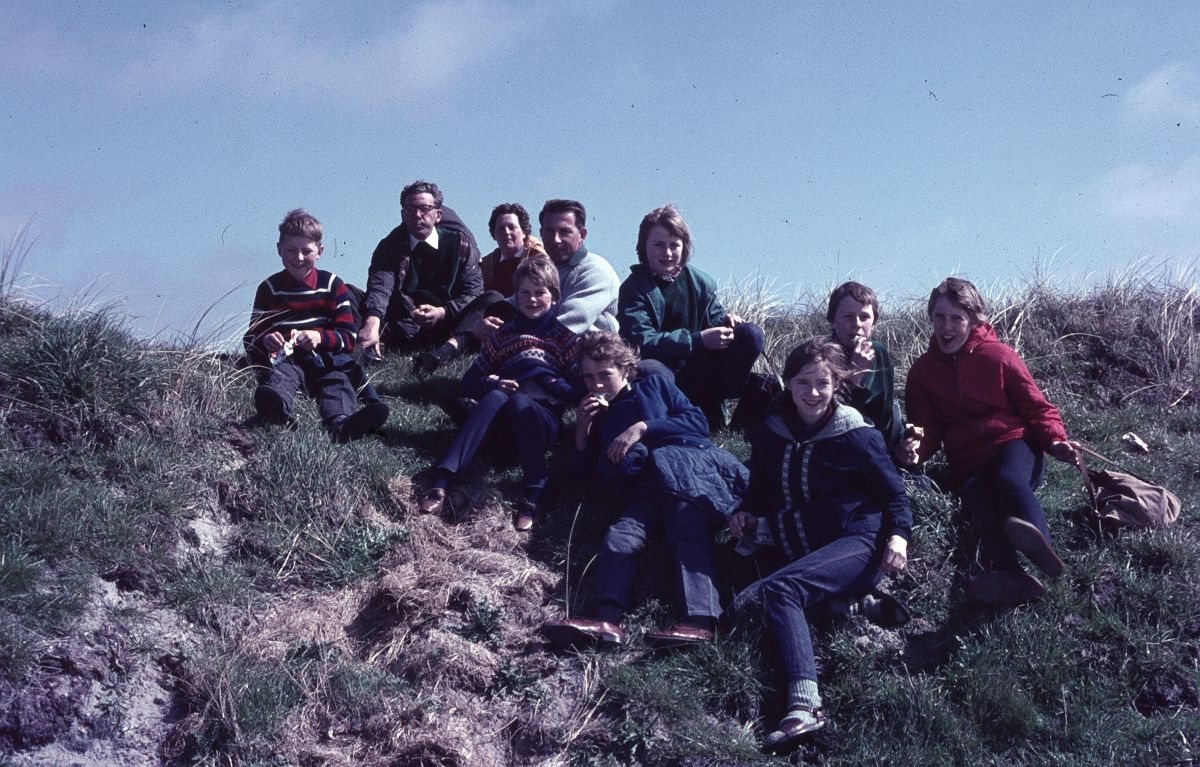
x=794 y=729
x=433 y=501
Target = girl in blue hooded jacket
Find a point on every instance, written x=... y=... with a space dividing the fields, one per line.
x=824 y=490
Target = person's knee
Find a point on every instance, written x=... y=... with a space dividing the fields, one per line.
x=624 y=539
x=271 y=405
x=747 y=335
x=784 y=591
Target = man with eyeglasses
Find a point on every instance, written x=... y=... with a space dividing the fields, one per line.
x=422 y=277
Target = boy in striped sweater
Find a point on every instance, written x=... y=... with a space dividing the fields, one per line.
x=519 y=380
x=302 y=335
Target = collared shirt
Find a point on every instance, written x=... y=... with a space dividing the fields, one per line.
x=432 y=239
x=514 y=256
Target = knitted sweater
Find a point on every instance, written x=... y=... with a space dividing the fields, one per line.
x=589 y=293
x=534 y=353
x=284 y=304
x=819 y=487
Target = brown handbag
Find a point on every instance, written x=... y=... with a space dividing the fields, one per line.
x=1125 y=499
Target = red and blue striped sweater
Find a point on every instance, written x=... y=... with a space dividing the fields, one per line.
x=284 y=304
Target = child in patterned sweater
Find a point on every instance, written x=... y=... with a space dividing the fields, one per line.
x=302 y=335
x=519 y=380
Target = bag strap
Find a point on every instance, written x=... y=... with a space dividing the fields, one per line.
x=1109 y=461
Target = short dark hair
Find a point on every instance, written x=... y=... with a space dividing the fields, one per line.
x=856 y=290
x=668 y=218
x=565 y=206
x=421 y=186
x=540 y=272
x=300 y=223
x=963 y=294
x=515 y=208
x=605 y=346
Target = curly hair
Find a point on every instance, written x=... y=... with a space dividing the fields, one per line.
x=606 y=346
x=420 y=186
x=515 y=208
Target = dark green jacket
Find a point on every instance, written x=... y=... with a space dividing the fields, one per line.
x=874 y=396
x=640 y=310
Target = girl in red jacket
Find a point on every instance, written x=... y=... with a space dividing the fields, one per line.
x=975 y=398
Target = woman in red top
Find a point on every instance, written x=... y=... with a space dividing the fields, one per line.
x=975 y=398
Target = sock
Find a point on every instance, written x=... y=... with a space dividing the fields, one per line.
x=802 y=692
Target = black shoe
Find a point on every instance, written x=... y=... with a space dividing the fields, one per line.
x=1005 y=588
x=362 y=423
x=881 y=609
x=427 y=362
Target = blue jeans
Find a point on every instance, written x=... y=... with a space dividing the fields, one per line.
x=847 y=566
x=1004 y=488
x=509 y=420
x=689 y=537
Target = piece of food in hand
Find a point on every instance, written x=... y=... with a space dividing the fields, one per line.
x=913 y=432
x=601 y=400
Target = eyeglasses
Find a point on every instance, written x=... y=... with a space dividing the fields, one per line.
x=420 y=210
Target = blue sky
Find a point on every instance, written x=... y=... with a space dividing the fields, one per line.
x=155 y=146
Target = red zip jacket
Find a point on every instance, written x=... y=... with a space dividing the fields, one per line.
x=971 y=402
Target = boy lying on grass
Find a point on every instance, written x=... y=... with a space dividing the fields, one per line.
x=519 y=382
x=646 y=443
x=301 y=337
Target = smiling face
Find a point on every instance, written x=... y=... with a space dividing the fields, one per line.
x=852 y=320
x=811 y=390
x=508 y=234
x=533 y=301
x=420 y=213
x=299 y=254
x=602 y=377
x=561 y=236
x=951 y=325
x=664 y=252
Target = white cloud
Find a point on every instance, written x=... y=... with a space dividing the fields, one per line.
x=1171 y=93
x=1138 y=191
x=277 y=46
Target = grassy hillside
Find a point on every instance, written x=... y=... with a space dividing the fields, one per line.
x=176 y=589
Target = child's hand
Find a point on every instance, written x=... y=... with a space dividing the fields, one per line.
x=307 y=339
x=717 y=338
x=732 y=320
x=895 y=555
x=588 y=408
x=508 y=385
x=862 y=358
x=906 y=452
x=485 y=327
x=625 y=440
x=742 y=523
x=273 y=341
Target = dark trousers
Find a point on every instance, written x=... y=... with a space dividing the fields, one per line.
x=508 y=421
x=847 y=566
x=711 y=376
x=689 y=537
x=330 y=388
x=1004 y=488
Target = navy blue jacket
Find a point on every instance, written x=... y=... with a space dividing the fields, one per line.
x=837 y=482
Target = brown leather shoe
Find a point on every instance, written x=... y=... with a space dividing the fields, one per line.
x=581 y=632
x=1028 y=540
x=433 y=501
x=793 y=730
x=679 y=635
x=1005 y=588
